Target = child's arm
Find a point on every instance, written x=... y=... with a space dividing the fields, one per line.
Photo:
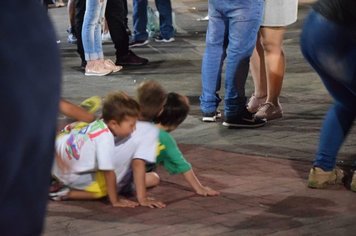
x=175 y=163
x=139 y=173
x=110 y=180
x=76 y=112
x=191 y=178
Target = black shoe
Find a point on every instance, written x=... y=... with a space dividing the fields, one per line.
x=83 y=65
x=246 y=120
x=131 y=59
x=211 y=117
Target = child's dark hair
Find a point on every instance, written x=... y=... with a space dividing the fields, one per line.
x=118 y=105
x=175 y=110
x=151 y=97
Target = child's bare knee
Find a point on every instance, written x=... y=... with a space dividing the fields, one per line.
x=152 y=179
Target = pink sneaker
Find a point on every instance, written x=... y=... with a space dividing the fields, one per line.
x=255 y=102
x=98 y=69
x=109 y=64
x=269 y=111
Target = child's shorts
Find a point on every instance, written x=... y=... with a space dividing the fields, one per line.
x=98 y=185
x=90 y=182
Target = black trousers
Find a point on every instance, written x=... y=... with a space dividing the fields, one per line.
x=116 y=16
x=29 y=98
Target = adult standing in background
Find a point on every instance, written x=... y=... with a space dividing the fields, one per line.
x=91 y=39
x=116 y=16
x=116 y=13
x=139 y=15
x=328 y=42
x=29 y=102
x=232 y=32
x=268 y=60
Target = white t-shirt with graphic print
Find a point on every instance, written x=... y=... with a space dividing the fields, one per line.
x=88 y=149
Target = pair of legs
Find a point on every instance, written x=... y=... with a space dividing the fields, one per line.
x=231 y=35
x=331 y=51
x=91 y=38
x=116 y=13
x=139 y=15
x=267 y=68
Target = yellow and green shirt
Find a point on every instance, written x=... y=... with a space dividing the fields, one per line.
x=170 y=156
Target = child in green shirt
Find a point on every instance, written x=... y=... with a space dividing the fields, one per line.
x=174 y=113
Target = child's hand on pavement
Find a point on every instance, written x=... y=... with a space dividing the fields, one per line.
x=125 y=203
x=152 y=203
x=207 y=191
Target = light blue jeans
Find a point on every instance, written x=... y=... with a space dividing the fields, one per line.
x=232 y=33
x=139 y=15
x=331 y=50
x=91 y=31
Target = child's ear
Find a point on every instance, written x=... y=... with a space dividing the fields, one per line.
x=112 y=123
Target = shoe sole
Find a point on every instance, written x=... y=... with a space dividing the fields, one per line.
x=117 y=70
x=212 y=118
x=96 y=74
x=315 y=185
x=139 y=44
x=165 y=40
x=209 y=119
x=229 y=125
x=272 y=117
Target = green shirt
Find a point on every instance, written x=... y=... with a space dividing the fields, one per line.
x=170 y=156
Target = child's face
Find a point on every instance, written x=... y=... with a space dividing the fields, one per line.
x=124 y=128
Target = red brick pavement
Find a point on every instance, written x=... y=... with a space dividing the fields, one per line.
x=259 y=196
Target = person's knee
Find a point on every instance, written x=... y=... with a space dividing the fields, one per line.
x=270 y=46
x=152 y=179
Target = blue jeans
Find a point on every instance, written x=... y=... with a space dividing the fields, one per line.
x=331 y=51
x=139 y=14
x=231 y=34
x=91 y=31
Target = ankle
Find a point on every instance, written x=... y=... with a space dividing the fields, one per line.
x=260 y=95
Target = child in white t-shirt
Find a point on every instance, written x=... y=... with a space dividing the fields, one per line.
x=85 y=155
x=170 y=157
x=131 y=155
